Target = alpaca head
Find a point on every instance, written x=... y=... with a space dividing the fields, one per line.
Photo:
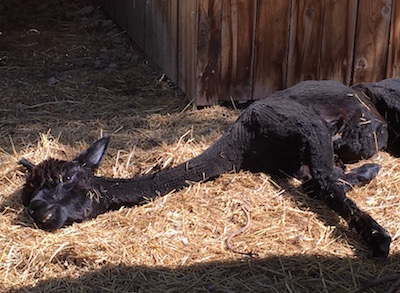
x=385 y=94
x=57 y=193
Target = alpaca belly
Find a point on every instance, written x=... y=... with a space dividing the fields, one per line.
x=276 y=156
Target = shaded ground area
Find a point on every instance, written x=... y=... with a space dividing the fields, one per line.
x=272 y=274
x=68 y=74
x=63 y=69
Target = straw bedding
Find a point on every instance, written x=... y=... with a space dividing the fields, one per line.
x=68 y=75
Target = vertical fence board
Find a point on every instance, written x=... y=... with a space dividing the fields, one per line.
x=393 y=68
x=174 y=41
x=114 y=11
x=237 y=39
x=338 y=40
x=209 y=52
x=136 y=24
x=161 y=34
x=272 y=34
x=305 y=40
x=187 y=48
x=372 y=38
x=121 y=13
x=106 y=4
x=117 y=11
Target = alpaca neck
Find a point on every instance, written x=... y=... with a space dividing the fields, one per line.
x=226 y=154
x=119 y=192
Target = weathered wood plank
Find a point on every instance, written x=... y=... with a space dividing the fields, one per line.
x=187 y=46
x=372 y=38
x=305 y=40
x=106 y=4
x=272 y=35
x=161 y=34
x=136 y=25
x=237 y=45
x=173 y=47
x=209 y=52
x=337 y=50
x=117 y=11
x=393 y=68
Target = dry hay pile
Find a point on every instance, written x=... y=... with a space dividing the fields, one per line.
x=69 y=74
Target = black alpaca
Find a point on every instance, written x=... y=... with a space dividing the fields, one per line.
x=305 y=131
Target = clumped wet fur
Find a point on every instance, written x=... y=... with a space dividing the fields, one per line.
x=308 y=131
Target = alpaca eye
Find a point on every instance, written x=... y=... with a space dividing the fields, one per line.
x=67 y=179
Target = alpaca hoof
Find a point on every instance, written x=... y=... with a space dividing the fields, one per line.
x=375 y=235
x=366 y=172
x=381 y=245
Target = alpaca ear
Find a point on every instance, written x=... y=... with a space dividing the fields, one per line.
x=28 y=165
x=92 y=157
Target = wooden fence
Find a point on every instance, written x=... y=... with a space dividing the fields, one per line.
x=246 y=49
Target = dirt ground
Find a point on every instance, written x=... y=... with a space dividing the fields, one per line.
x=67 y=75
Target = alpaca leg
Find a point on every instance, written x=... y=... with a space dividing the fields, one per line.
x=278 y=123
x=359 y=176
x=319 y=159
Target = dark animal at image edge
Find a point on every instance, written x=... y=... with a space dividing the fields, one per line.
x=308 y=131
